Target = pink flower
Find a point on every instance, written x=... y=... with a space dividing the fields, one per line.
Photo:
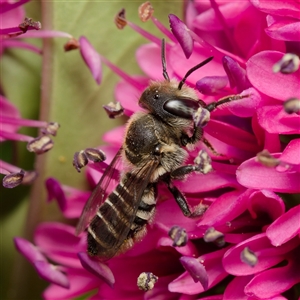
x=249 y=232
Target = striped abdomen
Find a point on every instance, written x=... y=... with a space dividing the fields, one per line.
x=121 y=220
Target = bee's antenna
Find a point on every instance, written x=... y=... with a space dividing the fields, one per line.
x=163 y=60
x=190 y=71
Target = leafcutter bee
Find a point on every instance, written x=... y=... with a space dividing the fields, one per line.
x=153 y=151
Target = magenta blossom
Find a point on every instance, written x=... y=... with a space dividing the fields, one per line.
x=246 y=242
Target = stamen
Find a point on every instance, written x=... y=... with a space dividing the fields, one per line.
x=178 y=236
x=292 y=105
x=146 y=281
x=288 y=64
x=29 y=24
x=203 y=162
x=95 y=155
x=12 y=180
x=249 y=257
x=40 y=144
x=120 y=19
x=201 y=117
x=145 y=11
x=114 y=110
x=266 y=159
x=80 y=160
x=71 y=44
x=51 y=128
x=212 y=235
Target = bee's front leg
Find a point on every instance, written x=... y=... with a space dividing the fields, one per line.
x=197 y=136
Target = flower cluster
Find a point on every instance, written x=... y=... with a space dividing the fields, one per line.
x=14 y=25
x=247 y=241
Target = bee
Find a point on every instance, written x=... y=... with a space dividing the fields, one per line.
x=154 y=150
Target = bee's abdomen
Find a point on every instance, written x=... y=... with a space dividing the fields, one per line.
x=114 y=217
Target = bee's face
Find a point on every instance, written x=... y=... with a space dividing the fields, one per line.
x=167 y=101
x=155 y=97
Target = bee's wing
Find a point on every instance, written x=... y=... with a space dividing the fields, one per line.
x=98 y=195
x=131 y=193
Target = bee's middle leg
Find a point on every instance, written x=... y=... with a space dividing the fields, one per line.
x=180 y=173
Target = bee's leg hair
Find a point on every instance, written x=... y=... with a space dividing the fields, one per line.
x=210 y=146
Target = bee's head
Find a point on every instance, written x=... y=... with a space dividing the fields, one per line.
x=170 y=98
x=167 y=101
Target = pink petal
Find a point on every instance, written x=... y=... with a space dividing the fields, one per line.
x=91 y=58
x=291 y=152
x=267 y=255
x=209 y=182
x=284 y=30
x=97 y=268
x=211 y=85
x=260 y=74
x=130 y=102
x=196 y=269
x=285 y=227
x=148 y=57
x=115 y=136
x=237 y=137
x=265 y=201
x=275 y=120
x=52 y=274
x=181 y=32
x=235 y=289
x=166 y=211
x=81 y=282
x=254 y=175
x=9 y=110
x=246 y=107
x=59 y=242
x=280 y=7
x=14 y=13
x=225 y=208
x=28 y=250
x=236 y=74
x=180 y=65
x=212 y=263
x=209 y=20
x=256 y=40
x=271 y=283
x=55 y=191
